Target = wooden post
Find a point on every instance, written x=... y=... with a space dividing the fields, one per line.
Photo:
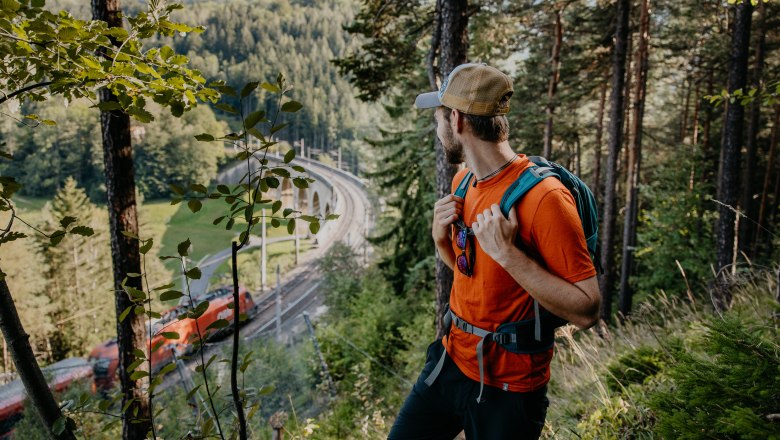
x=277 y=424
x=278 y=307
x=263 y=253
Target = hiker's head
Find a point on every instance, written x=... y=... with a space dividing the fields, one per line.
x=477 y=93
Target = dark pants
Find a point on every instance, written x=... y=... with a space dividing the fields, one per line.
x=450 y=405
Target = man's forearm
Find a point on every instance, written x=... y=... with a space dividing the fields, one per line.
x=578 y=303
x=445 y=252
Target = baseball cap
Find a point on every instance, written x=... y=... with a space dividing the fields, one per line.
x=473 y=88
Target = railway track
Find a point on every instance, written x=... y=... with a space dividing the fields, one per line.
x=299 y=290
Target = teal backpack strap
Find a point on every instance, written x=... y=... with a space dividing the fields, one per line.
x=527 y=180
x=463 y=186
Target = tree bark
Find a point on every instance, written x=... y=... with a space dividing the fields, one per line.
x=634 y=164
x=453 y=47
x=730 y=153
x=606 y=279
x=24 y=359
x=747 y=229
x=596 y=186
x=126 y=258
x=552 y=86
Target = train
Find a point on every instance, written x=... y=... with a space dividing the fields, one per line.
x=101 y=367
x=105 y=357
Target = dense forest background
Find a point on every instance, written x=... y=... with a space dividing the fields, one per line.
x=669 y=362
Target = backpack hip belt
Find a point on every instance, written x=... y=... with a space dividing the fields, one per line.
x=522 y=337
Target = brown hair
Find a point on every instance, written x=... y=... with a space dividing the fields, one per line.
x=487 y=128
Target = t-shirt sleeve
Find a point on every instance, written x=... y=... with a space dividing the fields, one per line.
x=557 y=235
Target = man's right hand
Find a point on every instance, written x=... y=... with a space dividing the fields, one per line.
x=445 y=212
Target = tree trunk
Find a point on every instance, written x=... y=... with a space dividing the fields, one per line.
x=596 y=186
x=453 y=46
x=22 y=354
x=695 y=138
x=552 y=86
x=126 y=258
x=634 y=163
x=730 y=153
x=688 y=86
x=747 y=228
x=626 y=108
x=770 y=166
x=615 y=141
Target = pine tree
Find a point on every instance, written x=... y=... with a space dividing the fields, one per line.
x=76 y=270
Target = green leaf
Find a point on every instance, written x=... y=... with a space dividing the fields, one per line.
x=67 y=221
x=11 y=236
x=193 y=274
x=218 y=324
x=184 y=247
x=314 y=227
x=278 y=127
x=163 y=287
x=289 y=156
x=332 y=217
x=254 y=118
x=204 y=137
x=167 y=369
x=170 y=335
x=139 y=375
x=197 y=187
x=226 y=107
x=135 y=364
x=291 y=106
x=199 y=310
x=147 y=246
x=218 y=220
x=224 y=189
x=270 y=87
x=267 y=389
x=249 y=88
x=194 y=205
x=169 y=295
x=84 y=231
x=129 y=234
x=299 y=168
x=56 y=237
x=276 y=206
x=275 y=223
x=192 y=392
x=291 y=226
x=177 y=189
x=124 y=314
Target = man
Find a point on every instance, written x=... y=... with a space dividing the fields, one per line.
x=485 y=385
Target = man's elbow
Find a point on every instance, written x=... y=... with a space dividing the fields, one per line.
x=590 y=315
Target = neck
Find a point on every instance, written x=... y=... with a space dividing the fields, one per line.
x=483 y=158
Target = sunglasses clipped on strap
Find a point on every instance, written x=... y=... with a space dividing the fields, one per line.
x=464 y=241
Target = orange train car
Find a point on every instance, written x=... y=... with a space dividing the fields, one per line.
x=105 y=357
x=59 y=375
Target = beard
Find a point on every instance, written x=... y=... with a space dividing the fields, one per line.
x=453 y=149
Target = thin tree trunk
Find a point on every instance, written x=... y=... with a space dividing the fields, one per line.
x=453 y=48
x=747 y=228
x=770 y=166
x=695 y=138
x=730 y=153
x=126 y=258
x=634 y=163
x=606 y=280
x=686 y=107
x=599 y=137
x=626 y=106
x=22 y=354
x=552 y=86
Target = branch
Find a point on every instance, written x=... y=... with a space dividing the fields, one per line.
x=24 y=89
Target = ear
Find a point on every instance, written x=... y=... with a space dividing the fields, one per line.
x=458 y=121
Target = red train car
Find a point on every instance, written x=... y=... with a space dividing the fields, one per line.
x=59 y=375
x=105 y=357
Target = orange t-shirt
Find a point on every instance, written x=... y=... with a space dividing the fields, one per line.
x=551 y=233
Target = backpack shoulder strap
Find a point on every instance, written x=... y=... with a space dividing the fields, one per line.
x=463 y=186
x=527 y=180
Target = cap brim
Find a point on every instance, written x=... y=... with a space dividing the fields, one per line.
x=427 y=100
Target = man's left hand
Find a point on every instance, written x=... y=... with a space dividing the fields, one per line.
x=495 y=233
